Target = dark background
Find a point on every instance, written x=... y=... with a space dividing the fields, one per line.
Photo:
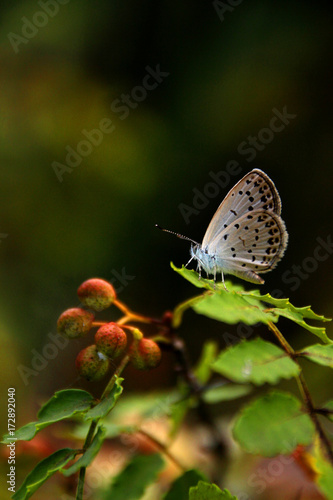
x=227 y=72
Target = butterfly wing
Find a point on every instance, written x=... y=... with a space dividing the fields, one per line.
x=252 y=244
x=255 y=191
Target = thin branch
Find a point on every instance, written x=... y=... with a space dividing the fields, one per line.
x=286 y=346
x=98 y=323
x=132 y=316
x=93 y=425
x=82 y=473
x=304 y=390
x=124 y=362
x=324 y=411
x=314 y=417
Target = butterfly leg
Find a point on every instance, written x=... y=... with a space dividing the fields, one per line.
x=222 y=276
x=214 y=276
x=189 y=261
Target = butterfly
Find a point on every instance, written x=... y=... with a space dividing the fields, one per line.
x=246 y=236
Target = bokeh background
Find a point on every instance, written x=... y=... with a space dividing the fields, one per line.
x=227 y=71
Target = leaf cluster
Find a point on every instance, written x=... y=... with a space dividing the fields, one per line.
x=272 y=423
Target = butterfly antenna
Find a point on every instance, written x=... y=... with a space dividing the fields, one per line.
x=181 y=236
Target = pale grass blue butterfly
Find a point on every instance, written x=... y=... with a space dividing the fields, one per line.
x=246 y=236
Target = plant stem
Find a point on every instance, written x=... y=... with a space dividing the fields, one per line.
x=286 y=346
x=130 y=315
x=324 y=411
x=93 y=425
x=82 y=473
x=314 y=417
x=117 y=373
x=304 y=390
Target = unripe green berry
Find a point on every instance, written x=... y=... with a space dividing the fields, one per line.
x=111 y=340
x=145 y=354
x=96 y=294
x=75 y=322
x=91 y=364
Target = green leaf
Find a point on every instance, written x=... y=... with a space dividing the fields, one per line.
x=318 y=353
x=106 y=405
x=26 y=432
x=232 y=307
x=255 y=361
x=273 y=424
x=246 y=306
x=43 y=471
x=298 y=318
x=89 y=455
x=64 y=404
x=207 y=491
x=226 y=392
x=180 y=487
x=193 y=277
x=297 y=314
x=203 y=369
x=134 y=479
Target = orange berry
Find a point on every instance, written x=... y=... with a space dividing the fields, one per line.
x=145 y=354
x=111 y=340
x=75 y=322
x=91 y=364
x=96 y=294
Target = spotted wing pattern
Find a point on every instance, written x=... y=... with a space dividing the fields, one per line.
x=255 y=191
x=252 y=244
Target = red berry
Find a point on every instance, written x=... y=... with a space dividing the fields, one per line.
x=75 y=322
x=145 y=354
x=91 y=364
x=111 y=340
x=96 y=294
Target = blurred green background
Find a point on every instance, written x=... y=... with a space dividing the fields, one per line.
x=227 y=72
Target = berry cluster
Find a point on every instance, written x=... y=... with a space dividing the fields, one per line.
x=111 y=341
